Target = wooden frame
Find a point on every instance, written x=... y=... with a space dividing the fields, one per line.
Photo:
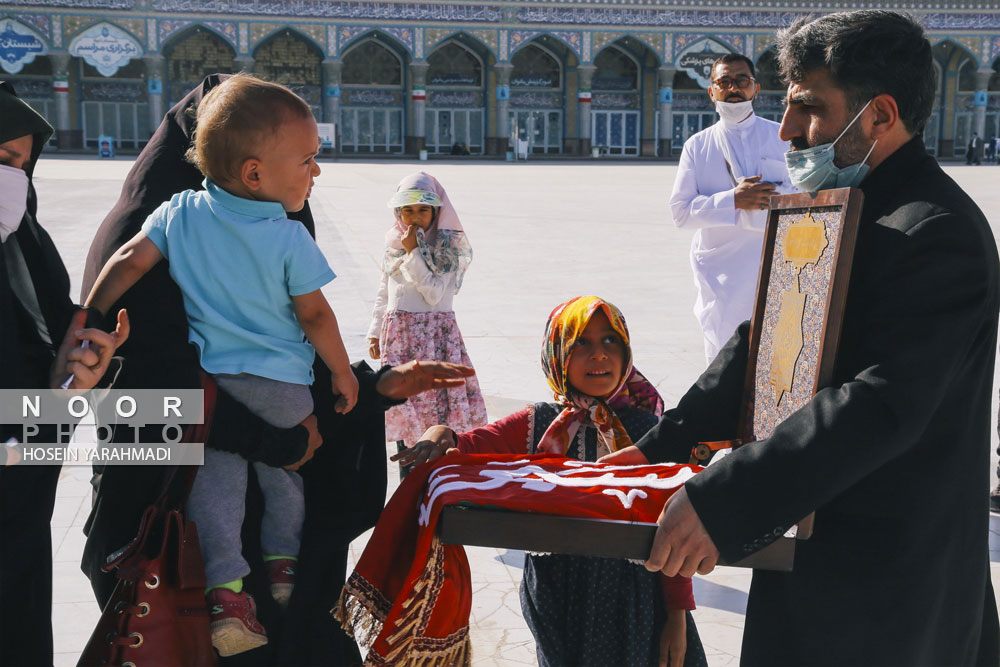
x=848 y=202
x=758 y=417
x=827 y=245
x=549 y=533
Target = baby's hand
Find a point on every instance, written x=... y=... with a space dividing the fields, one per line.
x=409 y=239
x=345 y=385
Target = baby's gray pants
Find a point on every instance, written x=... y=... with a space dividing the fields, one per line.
x=218 y=497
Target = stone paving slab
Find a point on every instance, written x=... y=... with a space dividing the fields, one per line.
x=542 y=232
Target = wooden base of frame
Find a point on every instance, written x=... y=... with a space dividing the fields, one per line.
x=547 y=533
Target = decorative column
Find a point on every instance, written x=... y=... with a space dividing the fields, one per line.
x=585 y=77
x=666 y=129
x=331 y=91
x=243 y=64
x=418 y=95
x=979 y=107
x=498 y=145
x=60 y=88
x=155 y=74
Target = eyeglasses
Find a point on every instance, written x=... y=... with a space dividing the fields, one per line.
x=741 y=81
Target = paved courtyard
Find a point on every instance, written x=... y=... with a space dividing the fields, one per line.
x=542 y=232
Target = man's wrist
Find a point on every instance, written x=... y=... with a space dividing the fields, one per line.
x=386 y=401
x=95 y=319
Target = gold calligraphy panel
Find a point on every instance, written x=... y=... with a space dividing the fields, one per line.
x=803 y=243
x=794 y=312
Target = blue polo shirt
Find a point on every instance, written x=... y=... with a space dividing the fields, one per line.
x=238 y=263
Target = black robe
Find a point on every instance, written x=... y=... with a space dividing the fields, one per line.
x=345 y=482
x=893 y=456
x=35 y=310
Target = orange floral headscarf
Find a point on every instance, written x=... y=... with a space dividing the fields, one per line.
x=566 y=324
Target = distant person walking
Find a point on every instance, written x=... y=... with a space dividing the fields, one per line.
x=972 y=153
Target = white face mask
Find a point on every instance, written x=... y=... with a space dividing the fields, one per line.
x=733 y=113
x=13 y=199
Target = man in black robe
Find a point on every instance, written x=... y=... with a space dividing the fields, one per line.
x=893 y=456
x=345 y=480
x=35 y=313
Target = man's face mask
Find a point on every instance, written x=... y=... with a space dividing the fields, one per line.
x=732 y=113
x=812 y=169
x=13 y=199
x=739 y=108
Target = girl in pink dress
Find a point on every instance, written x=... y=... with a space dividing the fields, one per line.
x=425 y=259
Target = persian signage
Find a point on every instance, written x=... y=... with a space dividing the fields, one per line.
x=374 y=98
x=697 y=60
x=455 y=99
x=105 y=47
x=453 y=80
x=613 y=83
x=19 y=45
x=533 y=82
x=536 y=100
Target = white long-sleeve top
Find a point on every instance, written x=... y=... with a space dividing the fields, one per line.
x=413 y=288
x=726 y=249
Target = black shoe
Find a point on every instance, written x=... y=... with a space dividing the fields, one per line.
x=995 y=499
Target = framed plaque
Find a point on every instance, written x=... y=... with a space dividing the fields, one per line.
x=805 y=271
x=798 y=313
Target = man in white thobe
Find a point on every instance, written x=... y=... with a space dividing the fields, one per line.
x=727 y=174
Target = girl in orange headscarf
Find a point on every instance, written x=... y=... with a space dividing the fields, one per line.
x=583 y=610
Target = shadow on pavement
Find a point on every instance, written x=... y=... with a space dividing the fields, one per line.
x=512 y=558
x=717 y=596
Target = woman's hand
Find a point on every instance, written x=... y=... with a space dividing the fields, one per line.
x=435 y=443
x=374 y=351
x=315 y=442
x=87 y=365
x=629 y=456
x=409 y=239
x=413 y=377
x=673 y=639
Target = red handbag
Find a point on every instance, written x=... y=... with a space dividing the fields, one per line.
x=157 y=614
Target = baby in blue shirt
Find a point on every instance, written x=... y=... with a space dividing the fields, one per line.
x=251 y=280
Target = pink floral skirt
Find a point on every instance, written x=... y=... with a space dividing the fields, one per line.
x=431 y=337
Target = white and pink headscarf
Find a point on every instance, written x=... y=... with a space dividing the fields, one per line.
x=443 y=245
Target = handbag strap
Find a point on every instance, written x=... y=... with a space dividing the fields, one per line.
x=175 y=497
x=173 y=493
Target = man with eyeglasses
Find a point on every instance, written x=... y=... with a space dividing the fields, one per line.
x=727 y=174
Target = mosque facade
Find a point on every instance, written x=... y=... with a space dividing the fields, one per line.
x=614 y=78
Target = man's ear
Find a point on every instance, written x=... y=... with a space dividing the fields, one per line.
x=250 y=173
x=886 y=115
x=711 y=93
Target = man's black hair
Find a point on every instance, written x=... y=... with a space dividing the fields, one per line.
x=867 y=53
x=733 y=58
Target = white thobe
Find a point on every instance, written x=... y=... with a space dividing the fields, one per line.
x=726 y=249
